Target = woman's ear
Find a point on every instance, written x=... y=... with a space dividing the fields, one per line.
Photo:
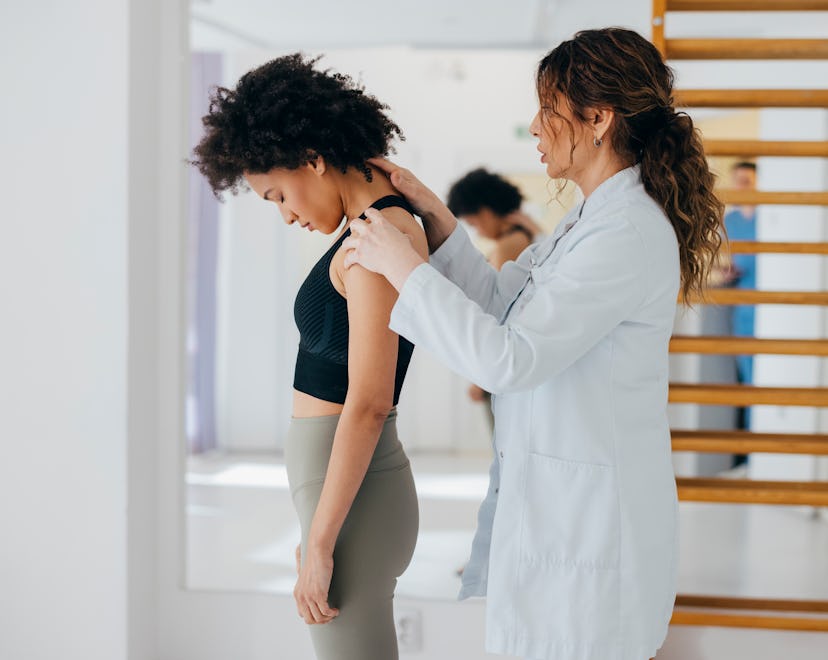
x=318 y=165
x=600 y=121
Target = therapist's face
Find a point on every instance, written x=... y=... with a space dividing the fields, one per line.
x=562 y=138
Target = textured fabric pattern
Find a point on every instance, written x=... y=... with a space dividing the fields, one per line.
x=321 y=315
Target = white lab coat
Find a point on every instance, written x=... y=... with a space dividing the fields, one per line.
x=576 y=546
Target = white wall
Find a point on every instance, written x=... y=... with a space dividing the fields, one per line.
x=63 y=278
x=791 y=273
x=81 y=528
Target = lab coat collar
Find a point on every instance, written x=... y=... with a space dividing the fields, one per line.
x=623 y=180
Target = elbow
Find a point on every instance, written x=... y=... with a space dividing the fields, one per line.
x=369 y=408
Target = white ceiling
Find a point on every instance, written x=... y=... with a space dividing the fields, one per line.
x=281 y=25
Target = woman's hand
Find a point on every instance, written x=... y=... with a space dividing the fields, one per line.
x=438 y=221
x=311 y=590
x=381 y=248
x=424 y=201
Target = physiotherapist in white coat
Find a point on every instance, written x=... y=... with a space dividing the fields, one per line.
x=576 y=546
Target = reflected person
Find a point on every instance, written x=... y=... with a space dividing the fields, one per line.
x=490 y=204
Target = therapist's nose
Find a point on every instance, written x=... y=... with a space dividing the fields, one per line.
x=534 y=127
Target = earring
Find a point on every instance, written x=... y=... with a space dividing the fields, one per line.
x=597 y=141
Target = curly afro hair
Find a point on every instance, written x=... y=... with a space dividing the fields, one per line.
x=483 y=189
x=284 y=114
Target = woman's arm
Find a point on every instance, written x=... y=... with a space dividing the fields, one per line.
x=593 y=288
x=372 y=360
x=452 y=253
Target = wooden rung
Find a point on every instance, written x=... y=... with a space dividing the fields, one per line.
x=747 y=395
x=747 y=5
x=747 y=345
x=745 y=442
x=748 y=148
x=768 y=247
x=748 y=491
x=747 y=49
x=717 y=619
x=725 y=296
x=763 y=604
x=752 y=98
x=730 y=196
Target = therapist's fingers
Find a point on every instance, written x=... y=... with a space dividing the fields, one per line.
x=409 y=186
x=376 y=217
x=384 y=164
x=351 y=247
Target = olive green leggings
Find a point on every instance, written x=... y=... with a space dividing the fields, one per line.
x=374 y=546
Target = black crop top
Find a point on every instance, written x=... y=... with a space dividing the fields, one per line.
x=321 y=314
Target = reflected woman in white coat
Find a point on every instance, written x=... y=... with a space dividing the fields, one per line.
x=576 y=547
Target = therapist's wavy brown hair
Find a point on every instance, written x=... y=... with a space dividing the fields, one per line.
x=618 y=69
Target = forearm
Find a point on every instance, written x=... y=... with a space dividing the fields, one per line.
x=438 y=223
x=356 y=438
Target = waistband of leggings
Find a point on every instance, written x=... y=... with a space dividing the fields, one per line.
x=334 y=419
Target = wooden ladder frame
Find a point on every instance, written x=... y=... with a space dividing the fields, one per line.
x=803 y=615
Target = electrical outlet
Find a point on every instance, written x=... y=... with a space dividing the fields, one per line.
x=409 y=624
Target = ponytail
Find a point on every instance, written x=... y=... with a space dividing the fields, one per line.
x=675 y=174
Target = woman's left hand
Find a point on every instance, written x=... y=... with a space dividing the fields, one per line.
x=311 y=590
x=381 y=248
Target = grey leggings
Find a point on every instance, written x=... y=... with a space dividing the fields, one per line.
x=374 y=546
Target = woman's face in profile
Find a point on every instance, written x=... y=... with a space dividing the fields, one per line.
x=304 y=196
x=557 y=130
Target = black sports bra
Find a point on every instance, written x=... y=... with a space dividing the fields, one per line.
x=321 y=314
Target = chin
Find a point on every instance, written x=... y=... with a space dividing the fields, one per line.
x=553 y=171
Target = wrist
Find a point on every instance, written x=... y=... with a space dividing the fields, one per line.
x=320 y=544
x=403 y=269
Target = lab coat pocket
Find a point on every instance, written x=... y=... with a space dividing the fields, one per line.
x=571 y=515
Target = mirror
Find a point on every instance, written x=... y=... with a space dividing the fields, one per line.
x=245 y=266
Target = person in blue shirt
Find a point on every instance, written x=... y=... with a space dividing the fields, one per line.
x=740 y=224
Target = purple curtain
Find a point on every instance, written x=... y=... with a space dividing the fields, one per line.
x=206 y=71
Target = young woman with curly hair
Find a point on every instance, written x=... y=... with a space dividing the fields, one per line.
x=577 y=540
x=301 y=139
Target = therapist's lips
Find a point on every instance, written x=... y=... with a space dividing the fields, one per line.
x=543 y=155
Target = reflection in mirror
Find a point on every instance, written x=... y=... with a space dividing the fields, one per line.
x=245 y=267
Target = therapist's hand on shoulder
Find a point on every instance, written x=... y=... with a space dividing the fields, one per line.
x=377 y=245
x=420 y=196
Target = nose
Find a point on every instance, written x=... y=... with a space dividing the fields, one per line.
x=289 y=217
x=534 y=127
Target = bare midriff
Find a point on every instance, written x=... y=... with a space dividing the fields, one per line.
x=305 y=405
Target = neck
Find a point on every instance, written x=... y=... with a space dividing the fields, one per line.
x=357 y=194
x=601 y=170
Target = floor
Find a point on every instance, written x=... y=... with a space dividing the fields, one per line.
x=241 y=533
